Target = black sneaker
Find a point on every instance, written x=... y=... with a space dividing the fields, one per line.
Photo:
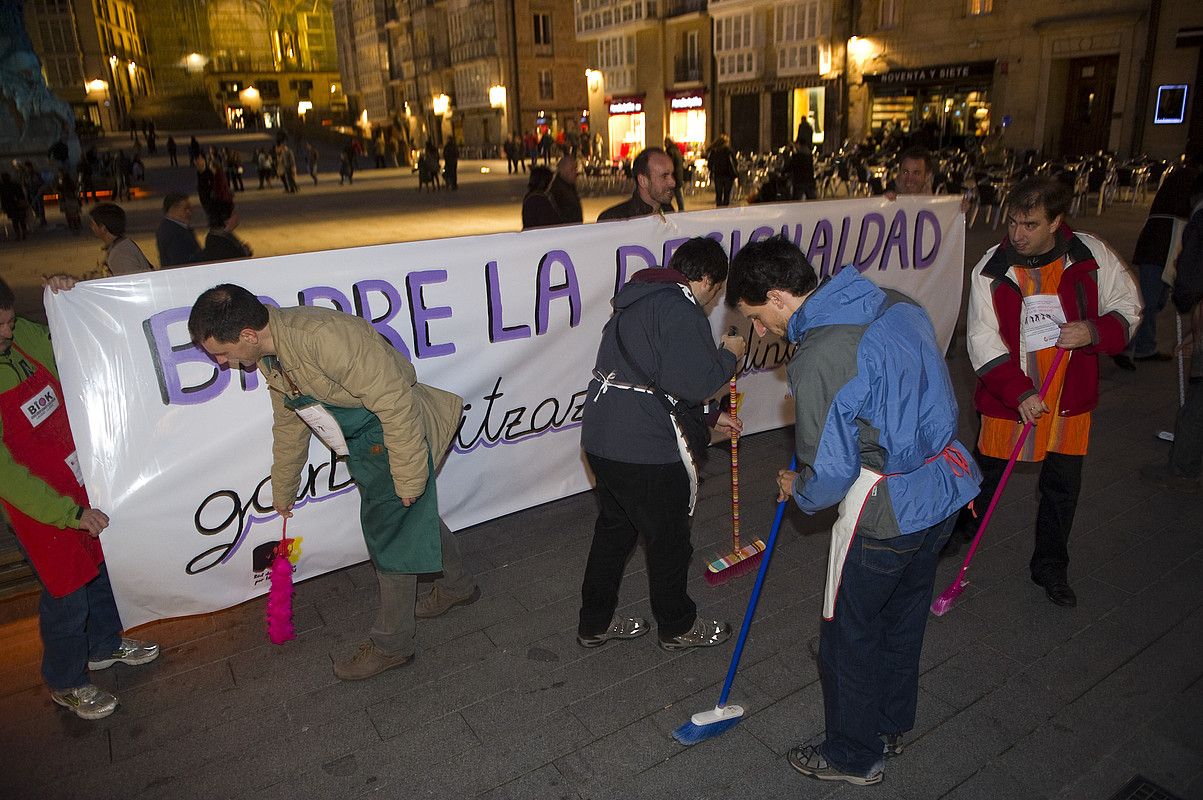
x=620 y=628
x=810 y=761
x=704 y=633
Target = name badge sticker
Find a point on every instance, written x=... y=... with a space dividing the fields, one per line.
x=73 y=462
x=41 y=406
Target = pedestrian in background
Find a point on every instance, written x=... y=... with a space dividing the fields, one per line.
x=122 y=256
x=1155 y=250
x=451 y=164
x=674 y=152
x=721 y=163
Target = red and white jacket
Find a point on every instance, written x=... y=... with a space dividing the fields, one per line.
x=1096 y=287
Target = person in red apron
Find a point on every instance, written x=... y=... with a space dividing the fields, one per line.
x=875 y=434
x=41 y=489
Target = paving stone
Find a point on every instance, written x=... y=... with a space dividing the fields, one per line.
x=545 y=783
x=992 y=782
x=611 y=759
x=1050 y=757
x=969 y=675
x=947 y=755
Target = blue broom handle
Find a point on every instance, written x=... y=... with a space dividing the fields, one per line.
x=751 y=612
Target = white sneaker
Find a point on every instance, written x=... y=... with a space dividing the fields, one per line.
x=129 y=651
x=86 y=702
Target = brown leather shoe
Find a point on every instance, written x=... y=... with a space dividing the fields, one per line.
x=367 y=662
x=436 y=603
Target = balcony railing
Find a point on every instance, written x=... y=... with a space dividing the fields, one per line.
x=676 y=8
x=687 y=69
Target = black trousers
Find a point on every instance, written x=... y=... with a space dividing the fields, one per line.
x=1059 y=485
x=651 y=500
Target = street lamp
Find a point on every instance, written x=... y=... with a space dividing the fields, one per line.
x=497 y=96
x=441 y=105
x=251 y=100
x=97 y=86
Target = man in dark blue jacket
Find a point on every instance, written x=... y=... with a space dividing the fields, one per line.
x=175 y=238
x=658 y=339
x=875 y=433
x=1182 y=471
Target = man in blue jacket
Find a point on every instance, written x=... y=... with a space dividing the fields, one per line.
x=875 y=433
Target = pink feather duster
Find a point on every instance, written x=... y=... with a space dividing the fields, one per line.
x=279 y=597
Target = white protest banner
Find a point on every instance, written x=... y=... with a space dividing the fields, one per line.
x=178 y=451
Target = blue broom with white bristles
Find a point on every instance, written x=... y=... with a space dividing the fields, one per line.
x=722 y=718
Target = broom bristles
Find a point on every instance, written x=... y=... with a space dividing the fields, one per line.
x=744 y=560
x=279 y=601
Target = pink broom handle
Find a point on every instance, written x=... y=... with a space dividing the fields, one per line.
x=1023 y=435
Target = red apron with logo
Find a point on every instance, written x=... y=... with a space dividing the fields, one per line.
x=38 y=437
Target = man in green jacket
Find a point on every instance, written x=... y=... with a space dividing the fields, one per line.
x=332 y=374
x=41 y=489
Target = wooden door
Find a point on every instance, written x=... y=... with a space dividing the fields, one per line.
x=1089 y=98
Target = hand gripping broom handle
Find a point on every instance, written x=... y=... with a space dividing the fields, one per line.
x=751 y=612
x=734 y=471
x=1002 y=482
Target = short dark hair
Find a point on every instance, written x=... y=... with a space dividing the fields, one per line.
x=701 y=258
x=540 y=177
x=774 y=263
x=918 y=153
x=1041 y=192
x=109 y=216
x=171 y=198
x=640 y=165
x=7 y=299
x=224 y=312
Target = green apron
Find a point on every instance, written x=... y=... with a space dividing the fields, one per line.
x=399 y=539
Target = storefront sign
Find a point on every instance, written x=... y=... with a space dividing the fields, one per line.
x=943 y=73
x=626 y=105
x=686 y=102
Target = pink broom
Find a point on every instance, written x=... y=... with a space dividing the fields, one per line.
x=279 y=597
x=941 y=604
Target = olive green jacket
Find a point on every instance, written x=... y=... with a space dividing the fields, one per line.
x=339 y=359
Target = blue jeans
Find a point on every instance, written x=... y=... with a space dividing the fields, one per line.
x=869 y=653
x=81 y=626
x=1154 y=293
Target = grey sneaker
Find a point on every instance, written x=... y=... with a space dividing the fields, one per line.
x=368 y=662
x=129 y=651
x=891 y=744
x=704 y=633
x=437 y=602
x=810 y=761
x=86 y=702
x=620 y=628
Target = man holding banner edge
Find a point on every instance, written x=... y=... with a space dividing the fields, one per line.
x=44 y=497
x=332 y=374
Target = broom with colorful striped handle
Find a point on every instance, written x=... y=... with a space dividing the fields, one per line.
x=741 y=560
x=941 y=604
